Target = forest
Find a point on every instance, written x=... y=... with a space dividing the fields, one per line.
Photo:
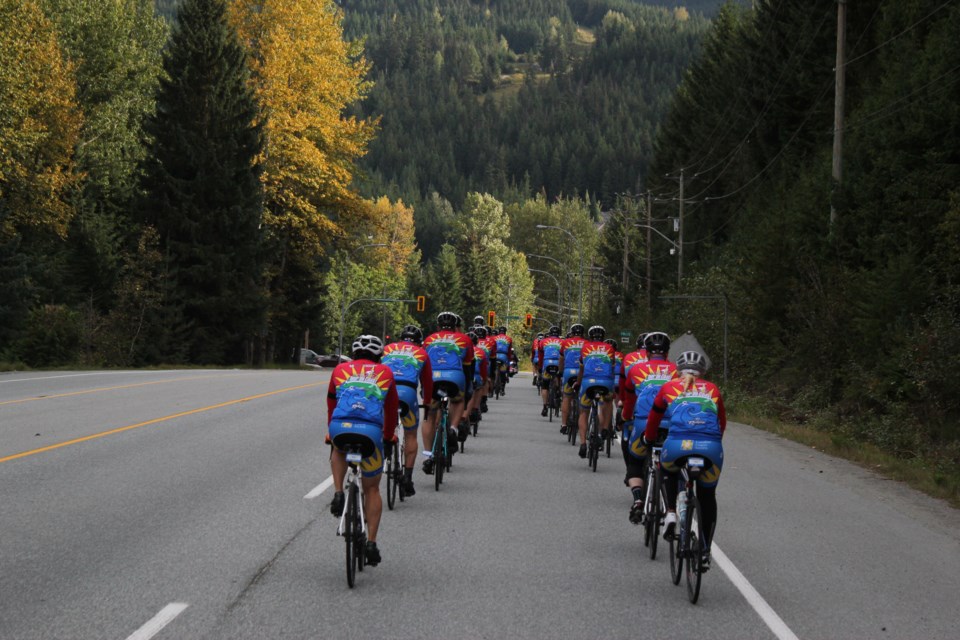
x=154 y=213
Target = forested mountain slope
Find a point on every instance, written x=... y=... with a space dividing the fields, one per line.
x=846 y=295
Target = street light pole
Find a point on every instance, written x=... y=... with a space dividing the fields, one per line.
x=346 y=281
x=566 y=278
x=555 y=279
x=580 y=251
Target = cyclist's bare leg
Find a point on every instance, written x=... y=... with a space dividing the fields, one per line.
x=409 y=448
x=565 y=409
x=429 y=428
x=456 y=412
x=606 y=412
x=584 y=416
x=372 y=505
x=338 y=468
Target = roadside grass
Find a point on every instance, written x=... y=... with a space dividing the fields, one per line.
x=919 y=473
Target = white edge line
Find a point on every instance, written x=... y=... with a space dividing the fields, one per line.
x=752 y=596
x=159 y=621
x=114 y=373
x=320 y=488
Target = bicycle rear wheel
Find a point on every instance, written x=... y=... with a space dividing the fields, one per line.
x=393 y=477
x=676 y=559
x=655 y=512
x=650 y=496
x=593 y=437
x=693 y=549
x=400 y=470
x=438 y=462
x=348 y=535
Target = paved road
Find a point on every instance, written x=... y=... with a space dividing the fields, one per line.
x=205 y=510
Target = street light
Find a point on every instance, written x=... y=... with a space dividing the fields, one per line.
x=676 y=249
x=555 y=279
x=580 y=250
x=566 y=277
x=346 y=281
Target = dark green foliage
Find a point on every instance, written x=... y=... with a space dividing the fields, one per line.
x=506 y=97
x=858 y=322
x=204 y=195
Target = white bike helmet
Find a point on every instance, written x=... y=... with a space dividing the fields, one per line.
x=368 y=344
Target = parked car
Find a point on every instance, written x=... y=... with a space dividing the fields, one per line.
x=331 y=360
x=308 y=356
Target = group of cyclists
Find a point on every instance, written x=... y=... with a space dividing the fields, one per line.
x=659 y=402
x=387 y=384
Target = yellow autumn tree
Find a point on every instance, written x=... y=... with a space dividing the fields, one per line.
x=306 y=75
x=39 y=122
x=393 y=226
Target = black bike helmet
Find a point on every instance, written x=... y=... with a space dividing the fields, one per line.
x=367 y=347
x=692 y=362
x=474 y=338
x=478 y=321
x=640 y=340
x=503 y=331
x=447 y=320
x=539 y=336
x=412 y=333
x=459 y=321
x=577 y=330
x=554 y=331
x=657 y=342
x=612 y=343
x=481 y=331
x=597 y=333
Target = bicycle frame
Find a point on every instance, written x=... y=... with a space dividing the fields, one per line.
x=353 y=477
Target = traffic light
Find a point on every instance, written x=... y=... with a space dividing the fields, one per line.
x=528 y=322
x=491 y=317
x=421 y=303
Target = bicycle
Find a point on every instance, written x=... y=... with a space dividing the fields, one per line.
x=594 y=443
x=553 y=396
x=689 y=540
x=394 y=473
x=440 y=449
x=353 y=525
x=655 y=505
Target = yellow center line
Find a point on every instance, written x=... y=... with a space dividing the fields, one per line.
x=155 y=421
x=100 y=389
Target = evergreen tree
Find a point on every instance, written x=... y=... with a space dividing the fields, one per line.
x=204 y=191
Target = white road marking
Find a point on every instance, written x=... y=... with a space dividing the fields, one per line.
x=159 y=621
x=764 y=610
x=320 y=488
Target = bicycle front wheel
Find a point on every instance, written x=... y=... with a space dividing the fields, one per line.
x=693 y=549
x=676 y=555
x=349 y=533
x=593 y=447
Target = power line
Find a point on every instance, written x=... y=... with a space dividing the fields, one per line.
x=908 y=29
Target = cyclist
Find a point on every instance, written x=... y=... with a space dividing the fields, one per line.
x=535 y=359
x=640 y=387
x=635 y=357
x=549 y=355
x=570 y=356
x=411 y=369
x=492 y=370
x=479 y=376
x=617 y=376
x=362 y=408
x=596 y=372
x=504 y=356
x=697 y=423
x=451 y=359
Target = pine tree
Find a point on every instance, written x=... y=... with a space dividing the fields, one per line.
x=203 y=185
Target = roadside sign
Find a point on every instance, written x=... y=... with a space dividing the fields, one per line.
x=624 y=339
x=626 y=335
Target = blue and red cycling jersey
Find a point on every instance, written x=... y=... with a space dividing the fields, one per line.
x=550 y=352
x=570 y=350
x=597 y=361
x=632 y=358
x=410 y=365
x=641 y=385
x=504 y=347
x=448 y=350
x=696 y=413
x=364 y=392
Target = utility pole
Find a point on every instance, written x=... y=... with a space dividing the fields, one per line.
x=838 y=106
x=649 y=261
x=626 y=248
x=680 y=241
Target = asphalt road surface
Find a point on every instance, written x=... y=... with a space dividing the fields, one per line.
x=174 y=504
